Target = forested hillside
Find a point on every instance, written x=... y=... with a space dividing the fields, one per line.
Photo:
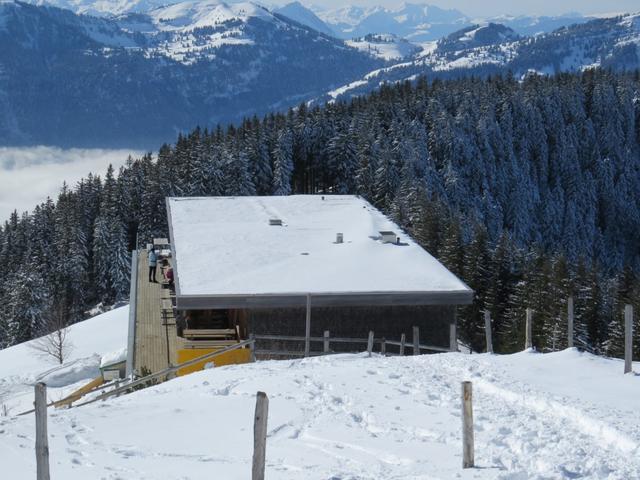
x=527 y=190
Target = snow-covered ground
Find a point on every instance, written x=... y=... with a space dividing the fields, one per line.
x=562 y=415
x=387 y=47
x=21 y=366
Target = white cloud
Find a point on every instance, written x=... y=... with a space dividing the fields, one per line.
x=29 y=175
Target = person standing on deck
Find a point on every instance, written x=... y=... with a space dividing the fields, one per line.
x=153 y=264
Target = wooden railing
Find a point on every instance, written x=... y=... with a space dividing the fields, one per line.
x=166 y=373
x=327 y=340
x=65 y=400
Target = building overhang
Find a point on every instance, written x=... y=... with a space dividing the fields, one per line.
x=212 y=302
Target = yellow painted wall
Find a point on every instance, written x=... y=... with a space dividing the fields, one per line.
x=242 y=355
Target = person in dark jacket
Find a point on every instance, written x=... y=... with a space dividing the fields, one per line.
x=153 y=265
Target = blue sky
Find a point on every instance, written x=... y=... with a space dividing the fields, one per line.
x=498 y=7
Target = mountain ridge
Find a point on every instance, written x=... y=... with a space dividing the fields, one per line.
x=604 y=42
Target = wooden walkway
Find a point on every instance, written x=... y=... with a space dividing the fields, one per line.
x=156 y=342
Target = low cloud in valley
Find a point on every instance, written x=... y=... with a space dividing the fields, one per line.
x=29 y=175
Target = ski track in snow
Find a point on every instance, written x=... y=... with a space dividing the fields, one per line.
x=345 y=417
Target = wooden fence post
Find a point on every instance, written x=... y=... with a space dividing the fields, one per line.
x=307 y=332
x=453 y=338
x=467 y=426
x=528 y=340
x=42 y=439
x=403 y=339
x=370 y=343
x=326 y=342
x=570 y=322
x=416 y=340
x=628 y=339
x=383 y=347
x=260 y=436
x=487 y=331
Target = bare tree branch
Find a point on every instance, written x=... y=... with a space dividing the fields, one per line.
x=56 y=343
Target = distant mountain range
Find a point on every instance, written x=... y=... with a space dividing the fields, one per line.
x=483 y=50
x=415 y=22
x=137 y=74
x=138 y=79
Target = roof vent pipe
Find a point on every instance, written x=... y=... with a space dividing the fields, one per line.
x=339 y=238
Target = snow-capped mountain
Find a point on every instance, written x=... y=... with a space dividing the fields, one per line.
x=192 y=31
x=103 y=7
x=416 y=22
x=527 y=25
x=477 y=36
x=298 y=12
x=423 y=22
x=140 y=78
x=493 y=48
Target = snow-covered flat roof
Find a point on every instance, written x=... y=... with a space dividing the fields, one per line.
x=226 y=247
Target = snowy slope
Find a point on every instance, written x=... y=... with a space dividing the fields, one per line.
x=556 y=416
x=186 y=16
x=21 y=366
x=385 y=46
x=191 y=31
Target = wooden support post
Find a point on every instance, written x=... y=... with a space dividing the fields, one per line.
x=252 y=347
x=416 y=340
x=326 y=342
x=628 y=338
x=383 y=346
x=42 y=439
x=453 y=337
x=370 y=343
x=260 y=436
x=570 y=322
x=403 y=339
x=528 y=340
x=307 y=332
x=487 y=331
x=467 y=426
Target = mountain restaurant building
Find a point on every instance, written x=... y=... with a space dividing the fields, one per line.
x=262 y=265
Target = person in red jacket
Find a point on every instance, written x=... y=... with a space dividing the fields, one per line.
x=168 y=274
